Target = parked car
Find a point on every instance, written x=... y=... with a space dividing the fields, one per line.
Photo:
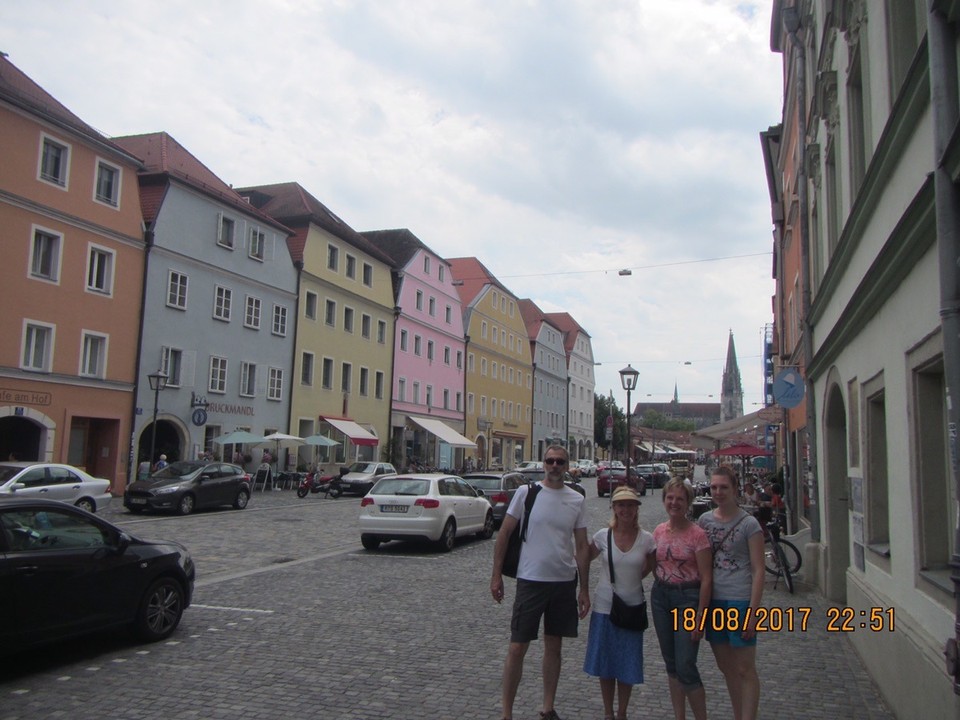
x=613 y=477
x=497 y=488
x=434 y=507
x=66 y=572
x=655 y=478
x=54 y=481
x=188 y=485
x=361 y=476
x=530 y=465
x=587 y=468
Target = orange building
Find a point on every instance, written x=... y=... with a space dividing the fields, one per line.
x=70 y=225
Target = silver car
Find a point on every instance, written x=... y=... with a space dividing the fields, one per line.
x=54 y=481
x=498 y=488
x=362 y=475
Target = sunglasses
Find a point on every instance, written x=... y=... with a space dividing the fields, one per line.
x=554 y=461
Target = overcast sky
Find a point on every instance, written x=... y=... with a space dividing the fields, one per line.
x=559 y=142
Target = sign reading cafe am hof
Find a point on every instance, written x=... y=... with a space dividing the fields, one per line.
x=24 y=397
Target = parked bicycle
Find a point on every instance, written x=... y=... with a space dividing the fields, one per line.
x=781 y=557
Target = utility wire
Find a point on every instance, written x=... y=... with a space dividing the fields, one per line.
x=637 y=267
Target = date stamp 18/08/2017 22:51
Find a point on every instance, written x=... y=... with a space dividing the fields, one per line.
x=789 y=619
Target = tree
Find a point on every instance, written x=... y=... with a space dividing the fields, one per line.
x=602 y=406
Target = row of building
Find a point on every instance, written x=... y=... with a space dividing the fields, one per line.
x=864 y=179
x=258 y=309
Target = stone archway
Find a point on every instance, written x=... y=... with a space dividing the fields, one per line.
x=836 y=495
x=171 y=440
x=27 y=433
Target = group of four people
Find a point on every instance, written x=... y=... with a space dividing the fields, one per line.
x=708 y=575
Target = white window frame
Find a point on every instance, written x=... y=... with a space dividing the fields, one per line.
x=327 y=368
x=217 y=376
x=432 y=307
x=87 y=339
x=330 y=312
x=368 y=274
x=346 y=376
x=253 y=307
x=62 y=181
x=279 y=325
x=275 y=384
x=364 y=386
x=333 y=258
x=257 y=244
x=366 y=323
x=49 y=333
x=350 y=266
x=381 y=332
x=177 y=303
x=171 y=363
x=348 y=319
x=222 y=303
x=419 y=300
x=99 y=251
x=310 y=302
x=55 y=256
x=378 y=377
x=223 y=221
x=404 y=340
x=248 y=379
x=113 y=199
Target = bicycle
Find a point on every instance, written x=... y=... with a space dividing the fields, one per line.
x=776 y=552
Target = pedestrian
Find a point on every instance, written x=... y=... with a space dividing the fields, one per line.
x=614 y=654
x=161 y=463
x=683 y=581
x=737 y=542
x=555 y=551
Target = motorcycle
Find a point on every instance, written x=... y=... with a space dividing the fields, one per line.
x=314 y=482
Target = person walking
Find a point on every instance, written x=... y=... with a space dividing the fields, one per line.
x=683 y=581
x=555 y=551
x=737 y=542
x=614 y=654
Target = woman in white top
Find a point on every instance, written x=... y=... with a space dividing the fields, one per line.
x=615 y=655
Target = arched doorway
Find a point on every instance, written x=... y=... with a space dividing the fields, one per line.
x=20 y=438
x=169 y=442
x=481 y=441
x=836 y=496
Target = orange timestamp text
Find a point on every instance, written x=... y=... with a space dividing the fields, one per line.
x=776 y=619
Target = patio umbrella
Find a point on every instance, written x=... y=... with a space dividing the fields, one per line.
x=319 y=441
x=238 y=437
x=742 y=450
x=280 y=440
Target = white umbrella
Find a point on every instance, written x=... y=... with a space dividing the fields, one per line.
x=238 y=437
x=319 y=440
x=281 y=440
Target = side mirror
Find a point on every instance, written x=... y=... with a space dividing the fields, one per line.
x=123 y=542
x=478 y=491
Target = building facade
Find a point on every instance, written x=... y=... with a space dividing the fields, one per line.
x=582 y=380
x=869 y=177
x=548 y=422
x=72 y=293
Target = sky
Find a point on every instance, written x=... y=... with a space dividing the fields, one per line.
x=560 y=142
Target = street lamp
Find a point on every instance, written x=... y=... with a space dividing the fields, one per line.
x=158 y=381
x=628 y=378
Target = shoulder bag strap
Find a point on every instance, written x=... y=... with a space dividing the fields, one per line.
x=719 y=545
x=610 y=554
x=527 y=507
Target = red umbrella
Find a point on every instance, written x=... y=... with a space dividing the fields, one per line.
x=742 y=450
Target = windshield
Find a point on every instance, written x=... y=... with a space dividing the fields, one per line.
x=401 y=486
x=363 y=467
x=179 y=469
x=485 y=483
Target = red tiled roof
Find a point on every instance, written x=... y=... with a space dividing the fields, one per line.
x=568 y=326
x=472 y=276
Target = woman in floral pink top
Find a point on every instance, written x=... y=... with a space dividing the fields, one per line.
x=682 y=586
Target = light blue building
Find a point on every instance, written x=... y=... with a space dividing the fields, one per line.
x=549 y=380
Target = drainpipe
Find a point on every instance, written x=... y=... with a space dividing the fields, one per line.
x=298 y=266
x=396 y=454
x=132 y=455
x=946 y=111
x=792 y=24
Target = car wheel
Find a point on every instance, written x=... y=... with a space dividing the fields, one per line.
x=160 y=610
x=134 y=510
x=86 y=504
x=186 y=505
x=369 y=542
x=487 y=532
x=240 y=502
x=600 y=493
x=448 y=536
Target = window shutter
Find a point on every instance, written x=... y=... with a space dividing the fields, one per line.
x=188 y=368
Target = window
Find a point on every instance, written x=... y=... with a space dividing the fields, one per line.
x=222 y=300
x=251 y=318
x=402 y=389
x=364 y=381
x=430 y=350
x=225 y=229
x=37 y=346
x=416 y=392
x=333 y=258
x=368 y=274
x=459 y=401
x=275 y=384
x=54 y=162
x=483 y=329
x=279 y=320
x=351 y=268
x=365 y=321
x=346 y=375
x=306 y=368
x=493 y=298
x=100 y=270
x=419 y=299
x=470 y=364
x=327 y=379
x=876 y=486
x=171 y=363
x=310 y=306
x=495 y=371
x=446 y=399
x=381 y=331
x=429 y=396
x=483 y=366
x=493 y=407
x=45 y=256
x=248 y=379
x=417 y=345
x=177 y=290
x=459 y=359
x=93 y=358
x=441 y=272
x=446 y=354
x=348 y=319
x=108 y=184
x=483 y=405
x=257 y=241
x=448 y=314
x=378 y=385
x=403 y=340
x=432 y=307
x=426 y=264
x=330 y=316
x=470 y=403
x=218 y=375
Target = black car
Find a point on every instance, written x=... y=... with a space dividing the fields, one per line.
x=185 y=486
x=497 y=487
x=66 y=572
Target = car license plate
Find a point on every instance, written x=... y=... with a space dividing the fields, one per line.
x=393 y=508
x=138 y=501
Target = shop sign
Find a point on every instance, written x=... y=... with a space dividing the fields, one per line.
x=24 y=397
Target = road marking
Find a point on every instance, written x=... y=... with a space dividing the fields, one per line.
x=271 y=568
x=231 y=609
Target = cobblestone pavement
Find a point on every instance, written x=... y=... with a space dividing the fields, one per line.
x=292 y=619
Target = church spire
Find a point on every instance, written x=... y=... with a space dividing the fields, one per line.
x=731 y=391
x=676 y=394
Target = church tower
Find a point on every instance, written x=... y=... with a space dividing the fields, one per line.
x=731 y=392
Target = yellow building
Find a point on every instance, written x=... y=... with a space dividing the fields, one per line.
x=344 y=331
x=499 y=377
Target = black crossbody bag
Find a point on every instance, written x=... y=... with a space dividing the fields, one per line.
x=628 y=617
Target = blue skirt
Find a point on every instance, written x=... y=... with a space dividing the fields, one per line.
x=612 y=652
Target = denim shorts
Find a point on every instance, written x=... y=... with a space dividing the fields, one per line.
x=678 y=650
x=555 y=602
x=721 y=635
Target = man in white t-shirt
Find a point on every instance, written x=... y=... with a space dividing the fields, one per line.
x=555 y=551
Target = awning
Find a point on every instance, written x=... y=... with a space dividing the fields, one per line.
x=357 y=435
x=508 y=434
x=707 y=437
x=443 y=431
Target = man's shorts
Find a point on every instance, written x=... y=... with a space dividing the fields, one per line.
x=723 y=635
x=555 y=602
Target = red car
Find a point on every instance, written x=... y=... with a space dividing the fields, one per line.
x=610 y=478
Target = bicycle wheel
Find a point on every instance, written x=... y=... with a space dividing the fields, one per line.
x=781 y=559
x=792 y=556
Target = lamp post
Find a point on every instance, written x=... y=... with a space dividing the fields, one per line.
x=628 y=378
x=158 y=381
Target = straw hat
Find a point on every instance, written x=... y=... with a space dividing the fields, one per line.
x=625 y=494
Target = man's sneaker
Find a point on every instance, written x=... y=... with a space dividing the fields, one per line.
x=551 y=715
